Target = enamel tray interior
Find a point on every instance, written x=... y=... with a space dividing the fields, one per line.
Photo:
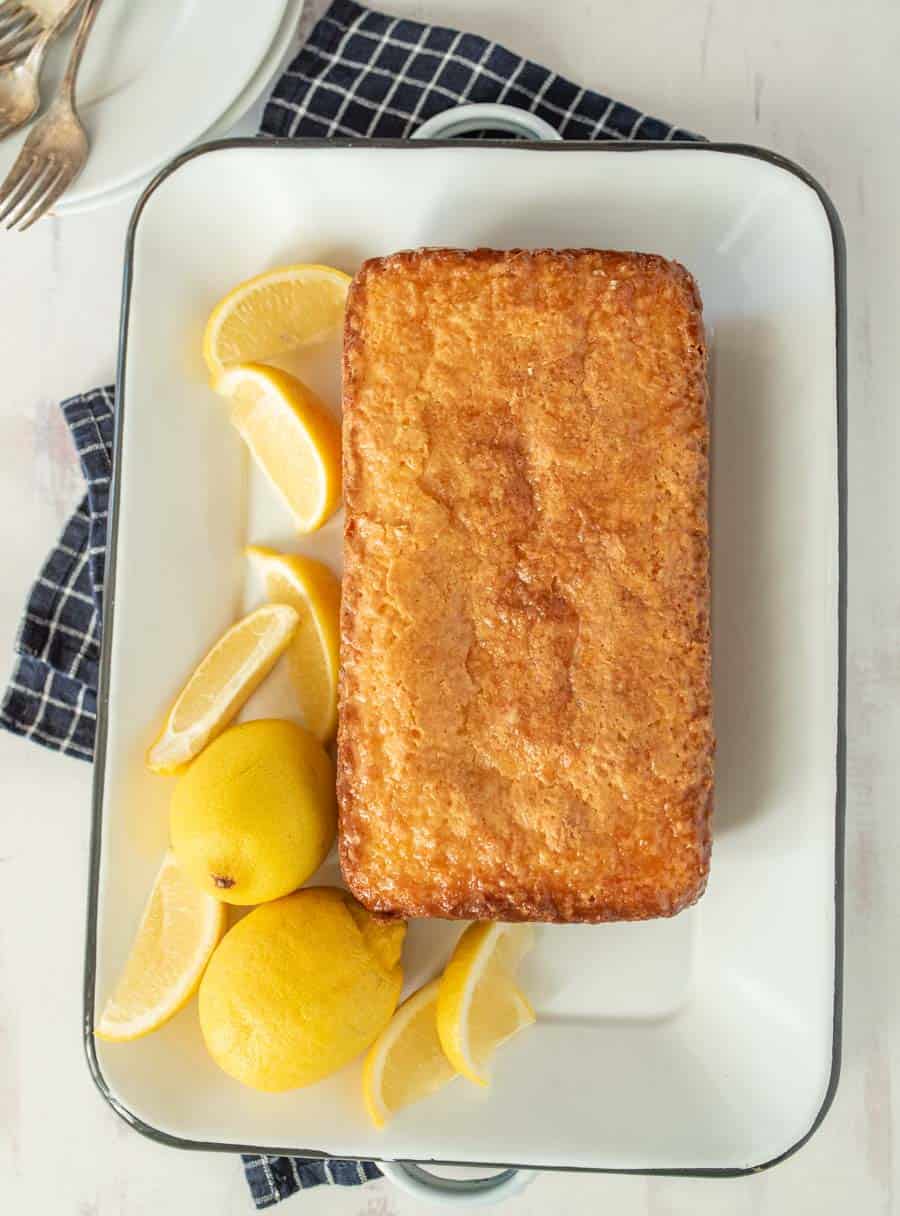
x=701 y=1043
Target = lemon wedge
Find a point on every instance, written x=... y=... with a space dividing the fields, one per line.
x=273 y=313
x=406 y=1062
x=233 y=669
x=314 y=593
x=292 y=437
x=480 y=1005
x=179 y=930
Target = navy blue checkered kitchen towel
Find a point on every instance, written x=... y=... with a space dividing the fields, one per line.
x=274 y=1178
x=52 y=693
x=365 y=73
x=361 y=73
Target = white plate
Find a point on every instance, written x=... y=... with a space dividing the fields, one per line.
x=276 y=58
x=704 y=1043
x=155 y=77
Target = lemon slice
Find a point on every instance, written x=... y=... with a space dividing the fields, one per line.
x=479 y=1004
x=273 y=313
x=233 y=669
x=406 y=1062
x=292 y=437
x=179 y=930
x=313 y=655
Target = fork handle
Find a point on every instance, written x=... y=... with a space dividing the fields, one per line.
x=85 y=22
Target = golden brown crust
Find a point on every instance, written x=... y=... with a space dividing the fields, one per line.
x=525 y=718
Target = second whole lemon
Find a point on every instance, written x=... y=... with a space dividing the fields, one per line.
x=255 y=814
x=299 y=988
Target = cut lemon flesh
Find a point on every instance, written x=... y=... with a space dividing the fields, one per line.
x=273 y=313
x=231 y=671
x=314 y=593
x=480 y=1004
x=179 y=930
x=292 y=437
x=406 y=1062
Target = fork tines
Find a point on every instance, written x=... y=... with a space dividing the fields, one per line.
x=33 y=186
x=19 y=28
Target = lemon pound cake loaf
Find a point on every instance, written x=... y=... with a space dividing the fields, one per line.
x=525 y=707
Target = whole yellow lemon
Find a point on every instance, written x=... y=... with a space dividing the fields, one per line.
x=300 y=987
x=254 y=816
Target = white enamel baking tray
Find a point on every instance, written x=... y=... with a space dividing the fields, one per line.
x=707 y=1044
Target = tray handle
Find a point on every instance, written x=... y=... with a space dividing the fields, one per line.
x=486 y=116
x=461 y=1192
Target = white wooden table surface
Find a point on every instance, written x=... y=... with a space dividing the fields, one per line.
x=814 y=79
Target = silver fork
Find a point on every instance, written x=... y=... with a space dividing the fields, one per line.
x=55 y=152
x=19 y=27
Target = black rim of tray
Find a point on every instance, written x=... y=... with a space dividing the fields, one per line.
x=525 y=147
